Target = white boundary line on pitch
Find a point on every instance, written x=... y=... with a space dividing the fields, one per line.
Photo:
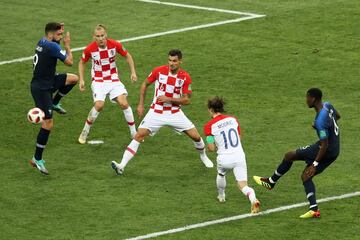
x=242 y=216
x=247 y=16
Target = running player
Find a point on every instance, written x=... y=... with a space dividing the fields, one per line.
x=317 y=156
x=105 y=78
x=223 y=133
x=172 y=89
x=45 y=82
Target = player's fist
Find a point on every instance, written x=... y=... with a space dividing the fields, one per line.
x=82 y=86
x=140 y=110
x=133 y=77
x=67 y=39
x=163 y=99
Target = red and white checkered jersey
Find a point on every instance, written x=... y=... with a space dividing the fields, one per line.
x=226 y=131
x=170 y=85
x=103 y=60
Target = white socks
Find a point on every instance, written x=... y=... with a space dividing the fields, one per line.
x=129 y=153
x=93 y=114
x=250 y=193
x=221 y=184
x=200 y=146
x=130 y=119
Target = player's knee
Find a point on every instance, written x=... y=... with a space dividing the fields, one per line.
x=289 y=156
x=99 y=106
x=48 y=124
x=72 y=79
x=124 y=105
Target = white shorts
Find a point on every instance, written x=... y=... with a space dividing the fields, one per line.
x=102 y=89
x=154 y=121
x=235 y=162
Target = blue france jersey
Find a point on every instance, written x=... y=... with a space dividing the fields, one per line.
x=327 y=128
x=46 y=55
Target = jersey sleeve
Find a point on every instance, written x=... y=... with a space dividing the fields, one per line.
x=86 y=55
x=55 y=51
x=321 y=127
x=186 y=88
x=153 y=76
x=207 y=129
x=120 y=49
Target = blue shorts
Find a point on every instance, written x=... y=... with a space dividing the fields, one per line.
x=309 y=153
x=43 y=98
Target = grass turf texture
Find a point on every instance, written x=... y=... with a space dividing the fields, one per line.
x=263 y=67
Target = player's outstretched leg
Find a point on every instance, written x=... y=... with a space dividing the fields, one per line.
x=200 y=146
x=130 y=151
x=283 y=168
x=70 y=81
x=128 y=113
x=93 y=114
x=221 y=185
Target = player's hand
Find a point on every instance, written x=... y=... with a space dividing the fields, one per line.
x=310 y=171
x=140 y=110
x=133 y=77
x=82 y=86
x=67 y=39
x=163 y=99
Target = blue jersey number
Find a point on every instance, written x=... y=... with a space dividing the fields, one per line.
x=336 y=127
x=35 y=60
x=232 y=137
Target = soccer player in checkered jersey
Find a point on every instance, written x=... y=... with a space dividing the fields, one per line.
x=105 y=78
x=223 y=133
x=172 y=89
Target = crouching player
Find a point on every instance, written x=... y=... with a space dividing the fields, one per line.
x=223 y=133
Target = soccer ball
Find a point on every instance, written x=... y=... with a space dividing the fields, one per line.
x=35 y=115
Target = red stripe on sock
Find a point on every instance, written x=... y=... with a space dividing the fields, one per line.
x=200 y=149
x=131 y=151
x=131 y=123
x=88 y=122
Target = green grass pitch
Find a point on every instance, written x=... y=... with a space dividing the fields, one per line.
x=262 y=67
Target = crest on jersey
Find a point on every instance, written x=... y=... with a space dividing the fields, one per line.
x=112 y=52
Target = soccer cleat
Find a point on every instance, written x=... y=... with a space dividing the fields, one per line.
x=59 y=109
x=264 y=182
x=117 y=169
x=207 y=162
x=311 y=214
x=255 y=207
x=83 y=136
x=40 y=165
x=221 y=198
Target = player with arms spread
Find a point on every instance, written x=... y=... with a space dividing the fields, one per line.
x=172 y=89
x=224 y=134
x=45 y=82
x=317 y=156
x=105 y=78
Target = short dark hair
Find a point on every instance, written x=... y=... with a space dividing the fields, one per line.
x=315 y=93
x=216 y=104
x=52 y=27
x=175 y=52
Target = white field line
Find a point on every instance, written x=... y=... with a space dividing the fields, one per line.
x=242 y=216
x=247 y=16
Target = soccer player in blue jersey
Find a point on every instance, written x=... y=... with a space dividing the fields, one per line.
x=317 y=156
x=45 y=82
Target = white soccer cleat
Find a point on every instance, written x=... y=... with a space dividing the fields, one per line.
x=116 y=167
x=207 y=162
x=221 y=198
x=83 y=136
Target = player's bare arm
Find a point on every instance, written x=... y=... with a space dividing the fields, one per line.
x=310 y=171
x=184 y=100
x=81 y=75
x=130 y=61
x=69 y=57
x=211 y=147
x=140 y=107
